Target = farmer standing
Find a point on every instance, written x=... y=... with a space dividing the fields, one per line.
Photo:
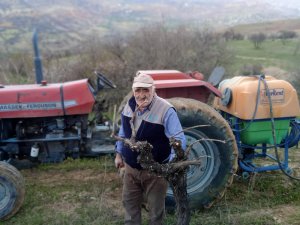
x=155 y=122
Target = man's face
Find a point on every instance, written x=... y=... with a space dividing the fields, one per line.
x=143 y=95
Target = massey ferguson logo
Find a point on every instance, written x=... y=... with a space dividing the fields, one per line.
x=36 y=106
x=277 y=96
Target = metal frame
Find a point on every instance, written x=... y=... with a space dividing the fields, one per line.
x=261 y=151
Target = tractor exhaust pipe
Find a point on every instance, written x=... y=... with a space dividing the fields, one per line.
x=37 y=60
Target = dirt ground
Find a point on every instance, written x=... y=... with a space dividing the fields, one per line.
x=110 y=196
x=101 y=182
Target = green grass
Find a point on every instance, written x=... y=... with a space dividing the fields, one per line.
x=88 y=191
x=70 y=164
x=271 y=53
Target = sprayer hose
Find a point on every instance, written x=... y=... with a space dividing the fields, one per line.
x=273 y=131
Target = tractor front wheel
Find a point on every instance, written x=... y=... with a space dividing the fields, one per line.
x=207 y=182
x=12 y=190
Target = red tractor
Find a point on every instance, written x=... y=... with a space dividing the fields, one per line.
x=41 y=123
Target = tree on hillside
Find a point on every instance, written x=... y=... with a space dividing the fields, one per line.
x=230 y=34
x=257 y=39
x=284 y=35
x=251 y=69
x=238 y=36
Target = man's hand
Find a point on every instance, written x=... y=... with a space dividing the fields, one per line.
x=119 y=161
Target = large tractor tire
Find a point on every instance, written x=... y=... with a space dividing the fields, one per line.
x=12 y=190
x=207 y=182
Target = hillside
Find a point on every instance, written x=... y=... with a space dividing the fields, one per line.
x=65 y=24
x=269 y=27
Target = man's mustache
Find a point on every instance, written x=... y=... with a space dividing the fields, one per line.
x=142 y=98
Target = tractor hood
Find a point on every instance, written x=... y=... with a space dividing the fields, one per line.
x=42 y=100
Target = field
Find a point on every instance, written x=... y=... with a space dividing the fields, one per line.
x=271 y=54
x=88 y=191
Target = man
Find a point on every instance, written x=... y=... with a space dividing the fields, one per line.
x=156 y=121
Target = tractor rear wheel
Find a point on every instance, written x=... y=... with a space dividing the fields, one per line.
x=207 y=182
x=12 y=190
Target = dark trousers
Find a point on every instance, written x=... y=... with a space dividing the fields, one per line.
x=137 y=186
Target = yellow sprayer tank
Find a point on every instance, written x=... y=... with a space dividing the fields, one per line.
x=239 y=100
x=243 y=98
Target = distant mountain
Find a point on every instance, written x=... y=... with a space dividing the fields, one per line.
x=64 y=23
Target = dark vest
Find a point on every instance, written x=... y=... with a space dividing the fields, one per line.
x=151 y=129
